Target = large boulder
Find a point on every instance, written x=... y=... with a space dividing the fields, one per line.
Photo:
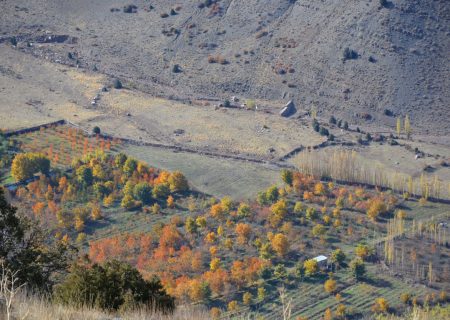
x=288 y=109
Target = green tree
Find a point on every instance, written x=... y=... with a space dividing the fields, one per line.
x=24 y=248
x=261 y=294
x=143 y=192
x=191 y=225
x=84 y=175
x=299 y=270
x=298 y=207
x=272 y=194
x=318 y=230
x=130 y=166
x=358 y=268
x=161 y=191
x=119 y=159
x=311 y=213
x=128 y=202
x=261 y=198
x=287 y=176
x=265 y=252
x=109 y=286
x=337 y=257
x=279 y=272
x=100 y=190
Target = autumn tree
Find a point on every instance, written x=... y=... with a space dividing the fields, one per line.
x=363 y=251
x=243 y=210
x=328 y=315
x=247 y=298
x=109 y=201
x=376 y=207
x=96 y=212
x=330 y=286
x=214 y=264
x=232 y=305
x=311 y=267
x=243 y=232
x=278 y=212
x=156 y=208
x=170 y=202
x=217 y=211
x=341 y=311
x=178 y=182
x=380 y=306
x=25 y=165
x=407 y=126
x=319 y=189
x=280 y=244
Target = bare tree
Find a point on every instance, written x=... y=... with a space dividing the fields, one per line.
x=9 y=287
x=287 y=309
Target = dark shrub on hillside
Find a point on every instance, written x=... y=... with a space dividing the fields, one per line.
x=345 y=125
x=227 y=103
x=117 y=84
x=13 y=41
x=383 y=3
x=131 y=8
x=112 y=286
x=323 y=131
x=349 y=54
x=96 y=130
x=316 y=126
x=388 y=113
x=332 y=120
x=176 y=68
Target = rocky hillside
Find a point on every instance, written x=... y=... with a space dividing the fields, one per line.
x=354 y=58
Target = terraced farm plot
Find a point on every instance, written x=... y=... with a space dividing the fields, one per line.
x=62 y=144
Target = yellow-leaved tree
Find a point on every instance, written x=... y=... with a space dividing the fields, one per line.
x=25 y=165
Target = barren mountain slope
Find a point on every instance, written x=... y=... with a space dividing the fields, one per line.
x=271 y=49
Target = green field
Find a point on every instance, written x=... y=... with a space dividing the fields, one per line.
x=217 y=177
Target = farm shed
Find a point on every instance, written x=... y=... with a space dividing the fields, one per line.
x=322 y=261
